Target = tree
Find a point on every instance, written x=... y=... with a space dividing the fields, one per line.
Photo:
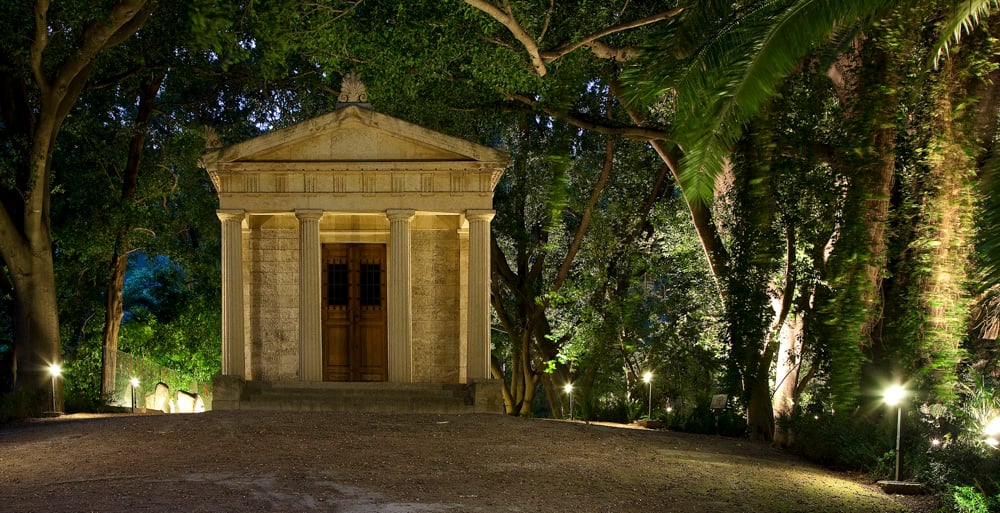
x=42 y=80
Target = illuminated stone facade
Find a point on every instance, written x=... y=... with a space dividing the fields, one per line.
x=355 y=177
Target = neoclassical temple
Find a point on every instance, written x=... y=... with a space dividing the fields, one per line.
x=355 y=248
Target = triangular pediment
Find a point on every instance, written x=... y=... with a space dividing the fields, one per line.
x=354 y=135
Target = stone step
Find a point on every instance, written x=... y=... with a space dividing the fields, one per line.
x=358 y=397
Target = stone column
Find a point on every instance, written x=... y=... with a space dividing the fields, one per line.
x=310 y=297
x=463 y=304
x=233 y=344
x=478 y=354
x=399 y=292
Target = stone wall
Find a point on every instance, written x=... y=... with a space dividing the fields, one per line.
x=436 y=301
x=274 y=303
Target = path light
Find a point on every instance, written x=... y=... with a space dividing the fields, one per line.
x=893 y=396
x=648 y=378
x=568 y=388
x=135 y=384
x=54 y=370
x=992 y=432
x=992 y=428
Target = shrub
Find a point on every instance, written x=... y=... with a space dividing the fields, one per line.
x=702 y=420
x=961 y=464
x=966 y=499
x=844 y=441
x=21 y=405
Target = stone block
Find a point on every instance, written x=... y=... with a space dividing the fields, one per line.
x=226 y=392
x=902 y=487
x=487 y=396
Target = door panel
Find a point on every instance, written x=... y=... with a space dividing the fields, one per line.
x=354 y=313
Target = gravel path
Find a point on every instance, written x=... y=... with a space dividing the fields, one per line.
x=279 y=461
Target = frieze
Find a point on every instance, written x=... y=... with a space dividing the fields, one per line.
x=364 y=182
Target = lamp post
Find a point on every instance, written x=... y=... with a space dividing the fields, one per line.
x=648 y=378
x=569 y=391
x=54 y=371
x=135 y=383
x=894 y=397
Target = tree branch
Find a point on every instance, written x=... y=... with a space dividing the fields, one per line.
x=701 y=215
x=130 y=27
x=574 y=247
x=506 y=18
x=602 y=50
x=548 y=19
x=98 y=36
x=788 y=291
x=629 y=132
x=38 y=45
x=503 y=271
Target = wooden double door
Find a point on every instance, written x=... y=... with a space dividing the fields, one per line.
x=355 y=345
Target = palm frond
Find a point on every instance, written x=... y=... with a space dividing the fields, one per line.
x=962 y=20
x=726 y=80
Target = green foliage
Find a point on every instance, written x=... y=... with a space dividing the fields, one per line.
x=960 y=464
x=703 y=420
x=966 y=499
x=22 y=404
x=724 y=61
x=82 y=376
x=846 y=441
x=172 y=320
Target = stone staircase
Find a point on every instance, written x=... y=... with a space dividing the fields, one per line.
x=361 y=397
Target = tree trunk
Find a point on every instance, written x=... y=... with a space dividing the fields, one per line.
x=787 y=378
x=36 y=327
x=760 y=419
x=113 y=314
x=113 y=309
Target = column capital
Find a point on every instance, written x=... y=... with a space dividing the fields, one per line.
x=480 y=215
x=308 y=214
x=230 y=215
x=400 y=214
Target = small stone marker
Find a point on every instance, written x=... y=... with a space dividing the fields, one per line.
x=159 y=399
x=188 y=402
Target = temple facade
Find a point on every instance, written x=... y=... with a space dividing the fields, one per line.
x=355 y=248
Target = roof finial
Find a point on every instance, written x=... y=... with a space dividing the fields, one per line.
x=353 y=92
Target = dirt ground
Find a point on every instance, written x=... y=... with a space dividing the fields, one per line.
x=353 y=463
